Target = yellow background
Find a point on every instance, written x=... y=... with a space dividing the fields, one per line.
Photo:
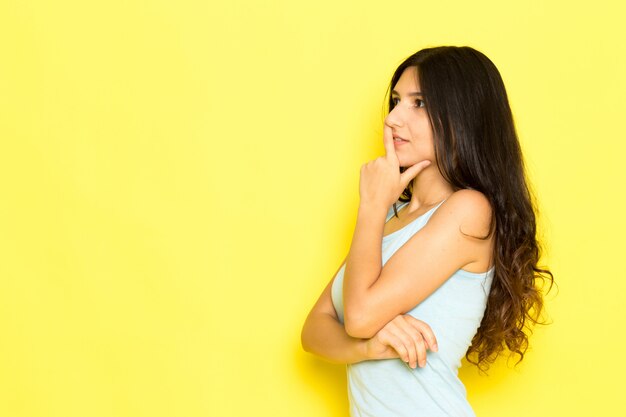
x=179 y=180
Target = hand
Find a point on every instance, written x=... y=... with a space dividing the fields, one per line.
x=381 y=181
x=404 y=337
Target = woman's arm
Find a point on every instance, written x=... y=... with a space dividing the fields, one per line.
x=404 y=337
x=323 y=334
x=374 y=295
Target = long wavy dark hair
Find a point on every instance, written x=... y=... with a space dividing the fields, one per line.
x=476 y=147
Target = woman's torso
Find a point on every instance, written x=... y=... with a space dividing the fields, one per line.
x=383 y=388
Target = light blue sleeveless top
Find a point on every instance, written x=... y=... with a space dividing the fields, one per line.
x=389 y=387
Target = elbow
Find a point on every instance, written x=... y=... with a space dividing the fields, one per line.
x=358 y=320
x=303 y=339
x=357 y=325
x=359 y=331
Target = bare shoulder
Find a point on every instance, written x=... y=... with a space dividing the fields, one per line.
x=470 y=210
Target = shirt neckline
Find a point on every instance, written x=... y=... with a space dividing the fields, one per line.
x=411 y=222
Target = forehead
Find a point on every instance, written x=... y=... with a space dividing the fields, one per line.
x=408 y=82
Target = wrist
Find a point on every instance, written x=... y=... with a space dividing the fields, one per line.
x=362 y=351
x=371 y=208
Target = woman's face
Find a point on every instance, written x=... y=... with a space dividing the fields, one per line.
x=413 y=137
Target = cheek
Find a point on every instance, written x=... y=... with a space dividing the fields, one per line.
x=425 y=145
x=410 y=156
x=422 y=149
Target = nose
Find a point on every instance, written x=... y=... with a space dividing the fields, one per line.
x=394 y=118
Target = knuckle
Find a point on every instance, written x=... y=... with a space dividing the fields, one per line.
x=420 y=323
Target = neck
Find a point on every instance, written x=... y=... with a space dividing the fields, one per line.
x=429 y=188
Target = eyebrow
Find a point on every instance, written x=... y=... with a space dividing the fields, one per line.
x=411 y=94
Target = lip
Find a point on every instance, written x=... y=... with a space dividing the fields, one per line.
x=394 y=135
x=399 y=142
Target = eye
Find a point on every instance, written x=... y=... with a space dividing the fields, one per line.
x=418 y=102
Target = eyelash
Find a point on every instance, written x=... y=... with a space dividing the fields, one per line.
x=420 y=103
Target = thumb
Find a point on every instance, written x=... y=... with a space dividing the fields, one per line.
x=412 y=172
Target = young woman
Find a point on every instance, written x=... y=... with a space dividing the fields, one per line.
x=444 y=253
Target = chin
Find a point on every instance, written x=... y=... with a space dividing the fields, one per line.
x=404 y=163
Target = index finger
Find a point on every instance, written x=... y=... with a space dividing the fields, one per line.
x=390 y=150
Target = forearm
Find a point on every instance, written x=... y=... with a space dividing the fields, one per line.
x=364 y=261
x=324 y=336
